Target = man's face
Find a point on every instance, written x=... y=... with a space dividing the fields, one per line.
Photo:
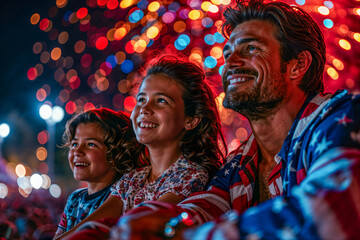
x=254 y=76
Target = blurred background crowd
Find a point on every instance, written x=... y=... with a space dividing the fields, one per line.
x=60 y=57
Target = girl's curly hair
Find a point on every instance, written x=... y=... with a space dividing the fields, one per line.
x=123 y=153
x=204 y=144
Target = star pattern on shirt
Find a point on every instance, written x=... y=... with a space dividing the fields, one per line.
x=226 y=172
x=290 y=168
x=323 y=145
x=325 y=112
x=344 y=120
x=314 y=139
x=297 y=146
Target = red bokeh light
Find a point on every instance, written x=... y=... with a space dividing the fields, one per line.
x=82 y=12
x=70 y=107
x=44 y=24
x=43 y=137
x=129 y=103
x=101 y=43
x=32 y=73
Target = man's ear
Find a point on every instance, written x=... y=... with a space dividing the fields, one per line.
x=302 y=64
x=192 y=122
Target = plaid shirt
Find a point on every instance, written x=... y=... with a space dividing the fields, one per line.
x=314 y=185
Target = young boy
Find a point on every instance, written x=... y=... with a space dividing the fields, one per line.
x=102 y=147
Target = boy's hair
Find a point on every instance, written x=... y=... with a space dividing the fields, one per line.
x=123 y=152
x=205 y=144
x=296 y=32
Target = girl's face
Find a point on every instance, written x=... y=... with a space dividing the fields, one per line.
x=87 y=154
x=159 y=115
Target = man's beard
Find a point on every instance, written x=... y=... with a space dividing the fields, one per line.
x=260 y=102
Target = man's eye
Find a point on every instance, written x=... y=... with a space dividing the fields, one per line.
x=226 y=55
x=161 y=100
x=252 y=49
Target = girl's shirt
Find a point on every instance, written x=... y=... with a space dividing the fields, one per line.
x=182 y=178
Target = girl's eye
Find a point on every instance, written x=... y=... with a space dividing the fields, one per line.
x=91 y=144
x=73 y=144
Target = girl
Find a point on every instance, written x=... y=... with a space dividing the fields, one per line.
x=177 y=120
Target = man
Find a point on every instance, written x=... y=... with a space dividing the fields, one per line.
x=298 y=174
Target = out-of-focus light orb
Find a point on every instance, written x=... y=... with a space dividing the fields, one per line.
x=46 y=181
x=210 y=62
x=332 y=73
x=42 y=137
x=234 y=144
x=111 y=61
x=194 y=14
x=61 y=3
x=338 y=64
x=218 y=37
x=88 y=106
x=82 y=12
x=205 y=6
x=45 y=111
x=35 y=18
x=154 y=6
x=225 y=2
x=209 y=39
x=36 y=181
x=55 y=190
x=357 y=36
x=3 y=190
x=55 y=54
x=136 y=16
x=24 y=182
x=63 y=37
x=4 y=130
x=129 y=103
x=221 y=68
x=127 y=66
x=328 y=23
x=20 y=170
x=216 y=52
x=241 y=134
x=70 y=107
x=213 y=9
x=323 y=10
x=344 y=44
x=112 y=4
x=32 y=73
x=41 y=95
x=120 y=33
x=300 y=2
x=152 y=32
x=328 y=4
x=101 y=43
x=41 y=153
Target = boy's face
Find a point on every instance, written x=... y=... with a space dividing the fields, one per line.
x=87 y=154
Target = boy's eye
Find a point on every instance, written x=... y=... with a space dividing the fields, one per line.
x=141 y=99
x=91 y=144
x=73 y=144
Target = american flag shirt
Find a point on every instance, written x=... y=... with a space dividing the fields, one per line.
x=315 y=184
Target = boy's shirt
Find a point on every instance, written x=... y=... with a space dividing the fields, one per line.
x=79 y=205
